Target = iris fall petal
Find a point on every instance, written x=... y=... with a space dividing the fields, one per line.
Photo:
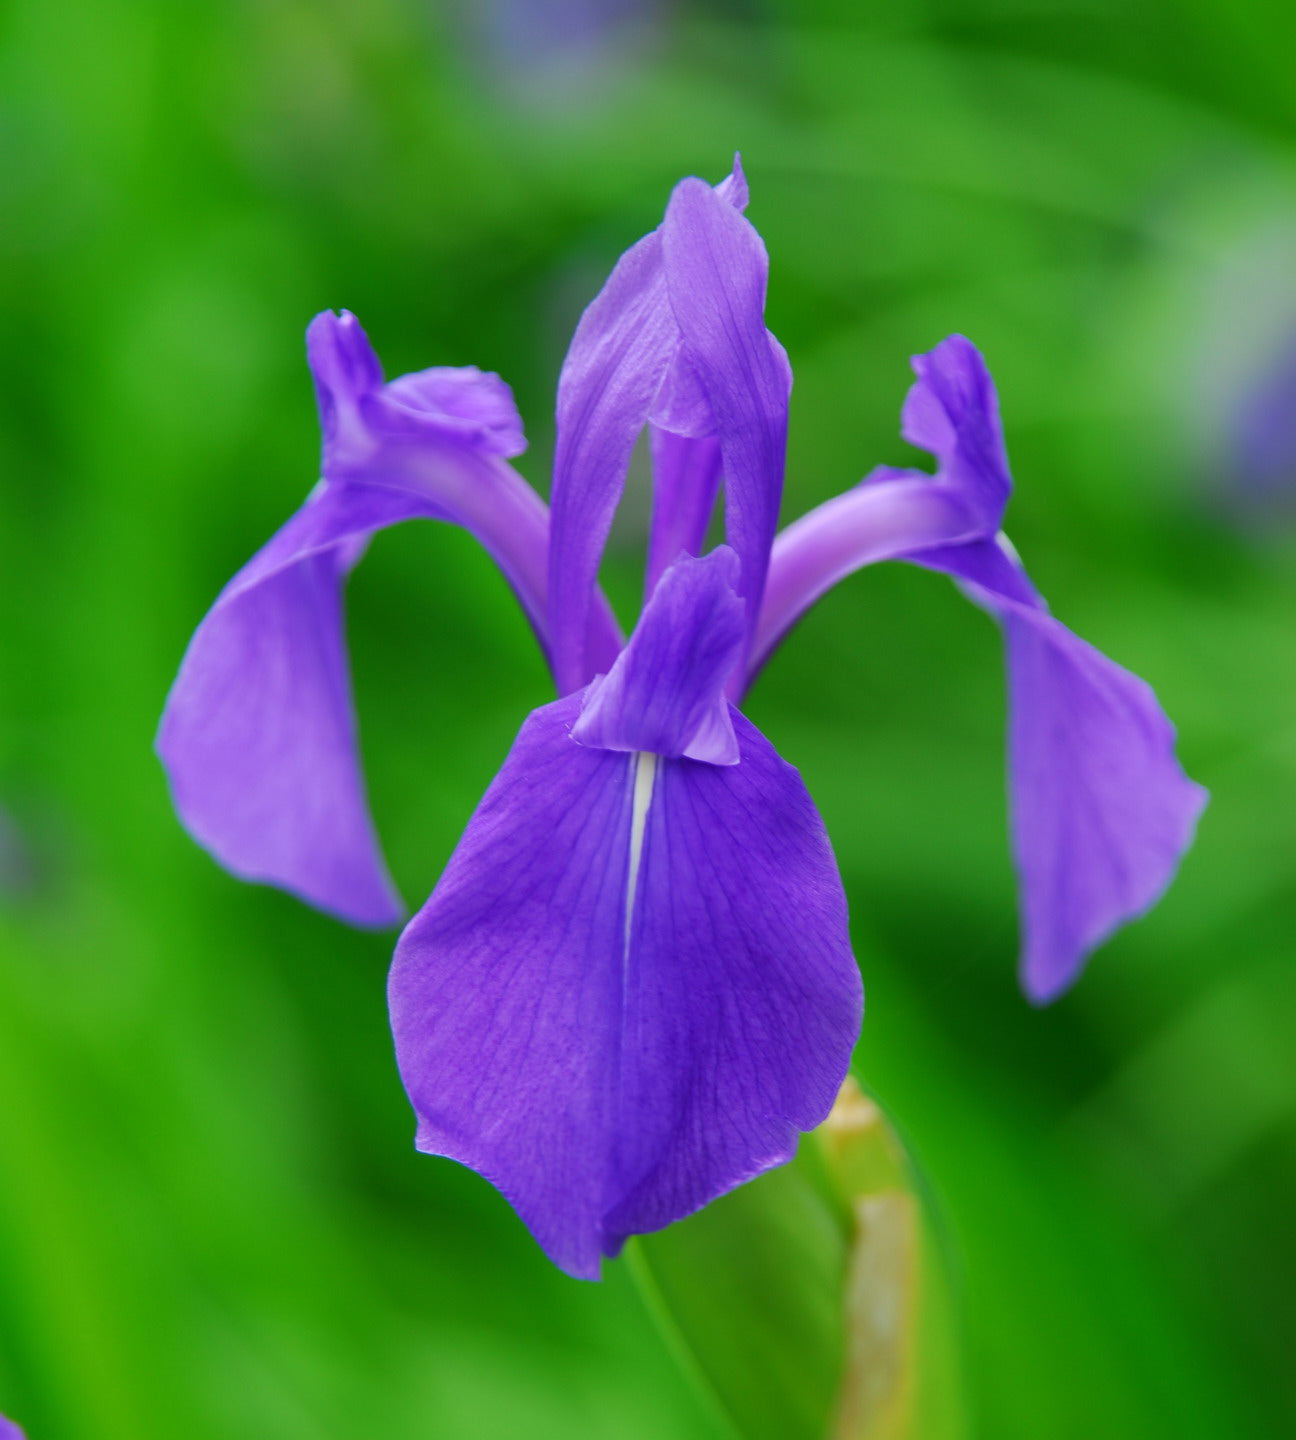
x=259 y=733
x=631 y=988
x=1102 y=812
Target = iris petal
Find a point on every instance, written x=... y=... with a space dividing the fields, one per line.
x=620 y=355
x=613 y=369
x=686 y=481
x=886 y=517
x=610 y=1077
x=953 y=412
x=665 y=693
x=259 y=732
x=716 y=272
x=1102 y=810
x=259 y=735
x=743 y=1000
x=685 y=450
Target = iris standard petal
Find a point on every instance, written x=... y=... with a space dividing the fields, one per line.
x=666 y=691
x=684 y=448
x=1102 y=812
x=613 y=369
x=259 y=734
x=716 y=271
x=618 y=359
x=686 y=481
x=631 y=988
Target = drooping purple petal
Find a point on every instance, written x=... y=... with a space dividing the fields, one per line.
x=619 y=357
x=665 y=693
x=1102 y=811
x=743 y=1001
x=716 y=272
x=610 y=1077
x=259 y=732
x=505 y=987
x=259 y=735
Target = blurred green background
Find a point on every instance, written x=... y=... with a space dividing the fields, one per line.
x=212 y=1220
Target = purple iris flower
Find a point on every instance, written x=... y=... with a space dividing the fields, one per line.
x=633 y=985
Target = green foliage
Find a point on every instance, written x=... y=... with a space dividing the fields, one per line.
x=815 y=1301
x=751 y=1291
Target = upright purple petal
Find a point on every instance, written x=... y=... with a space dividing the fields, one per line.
x=686 y=469
x=631 y=988
x=1102 y=811
x=259 y=732
x=9 y=1430
x=686 y=460
x=716 y=272
x=619 y=357
x=613 y=369
x=666 y=691
x=686 y=481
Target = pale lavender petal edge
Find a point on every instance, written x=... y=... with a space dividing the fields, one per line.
x=614 y=367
